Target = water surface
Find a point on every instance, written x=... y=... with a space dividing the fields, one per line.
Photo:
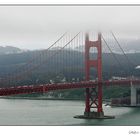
x=58 y=112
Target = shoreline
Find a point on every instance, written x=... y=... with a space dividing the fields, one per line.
x=45 y=98
x=39 y=98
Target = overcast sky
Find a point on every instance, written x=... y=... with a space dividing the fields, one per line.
x=36 y=27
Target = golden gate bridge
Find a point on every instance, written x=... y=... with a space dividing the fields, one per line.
x=12 y=83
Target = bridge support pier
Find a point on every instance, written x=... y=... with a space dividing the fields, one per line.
x=93 y=97
x=133 y=95
x=94 y=114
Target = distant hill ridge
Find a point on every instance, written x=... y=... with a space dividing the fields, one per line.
x=11 y=61
x=9 y=50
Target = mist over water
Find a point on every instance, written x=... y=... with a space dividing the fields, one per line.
x=54 y=112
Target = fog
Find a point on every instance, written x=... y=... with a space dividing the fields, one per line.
x=36 y=27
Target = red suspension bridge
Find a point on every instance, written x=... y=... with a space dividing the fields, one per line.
x=61 y=50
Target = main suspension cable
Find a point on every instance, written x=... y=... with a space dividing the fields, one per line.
x=113 y=54
x=129 y=62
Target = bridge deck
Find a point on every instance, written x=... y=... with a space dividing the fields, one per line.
x=61 y=86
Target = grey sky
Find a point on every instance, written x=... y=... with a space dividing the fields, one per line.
x=37 y=27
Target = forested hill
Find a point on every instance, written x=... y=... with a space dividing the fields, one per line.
x=71 y=61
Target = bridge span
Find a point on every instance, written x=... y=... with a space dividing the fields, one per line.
x=93 y=89
x=44 y=88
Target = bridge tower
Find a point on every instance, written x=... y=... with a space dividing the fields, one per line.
x=93 y=100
